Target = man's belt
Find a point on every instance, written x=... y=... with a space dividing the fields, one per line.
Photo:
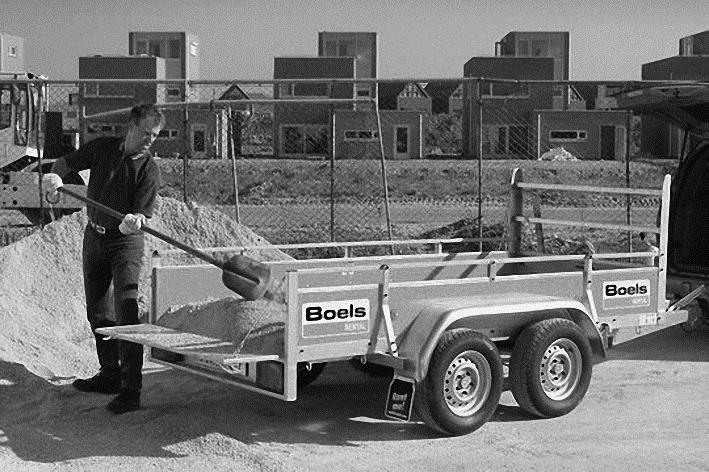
x=102 y=230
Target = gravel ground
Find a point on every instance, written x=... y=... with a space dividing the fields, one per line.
x=647 y=409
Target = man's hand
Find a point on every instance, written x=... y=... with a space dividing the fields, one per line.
x=51 y=184
x=131 y=223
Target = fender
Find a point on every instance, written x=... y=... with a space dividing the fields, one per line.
x=498 y=315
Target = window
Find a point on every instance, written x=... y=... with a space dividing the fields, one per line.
x=173 y=49
x=363 y=92
x=5 y=109
x=411 y=90
x=567 y=135
x=168 y=134
x=12 y=51
x=173 y=91
x=361 y=135
x=156 y=48
x=103 y=129
x=505 y=90
x=141 y=47
x=309 y=140
x=330 y=48
x=193 y=49
x=109 y=90
x=523 y=48
x=73 y=99
x=309 y=89
x=506 y=141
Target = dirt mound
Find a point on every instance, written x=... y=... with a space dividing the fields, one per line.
x=42 y=307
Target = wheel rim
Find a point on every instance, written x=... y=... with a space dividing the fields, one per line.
x=560 y=369
x=467 y=383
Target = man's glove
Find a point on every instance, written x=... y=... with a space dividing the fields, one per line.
x=131 y=223
x=51 y=184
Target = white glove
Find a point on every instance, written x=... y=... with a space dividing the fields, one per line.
x=131 y=223
x=51 y=184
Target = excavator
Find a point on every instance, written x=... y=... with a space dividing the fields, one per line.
x=27 y=149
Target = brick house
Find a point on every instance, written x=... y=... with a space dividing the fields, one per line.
x=508 y=118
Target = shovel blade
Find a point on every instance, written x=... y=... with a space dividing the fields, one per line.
x=247 y=277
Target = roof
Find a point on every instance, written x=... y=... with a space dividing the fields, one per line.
x=390 y=90
x=442 y=88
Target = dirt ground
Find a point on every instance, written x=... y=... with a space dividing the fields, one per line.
x=647 y=409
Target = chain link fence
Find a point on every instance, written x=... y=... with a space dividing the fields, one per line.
x=308 y=161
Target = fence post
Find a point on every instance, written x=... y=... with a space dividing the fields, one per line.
x=231 y=117
x=332 y=165
x=480 y=165
x=628 y=202
x=185 y=132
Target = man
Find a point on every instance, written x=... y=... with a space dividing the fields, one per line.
x=124 y=177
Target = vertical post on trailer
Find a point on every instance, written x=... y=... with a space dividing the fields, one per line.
x=662 y=257
x=480 y=166
x=290 y=349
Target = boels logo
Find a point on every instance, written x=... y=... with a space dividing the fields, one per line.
x=335 y=318
x=626 y=293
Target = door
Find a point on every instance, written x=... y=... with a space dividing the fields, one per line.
x=608 y=142
x=401 y=142
x=198 y=143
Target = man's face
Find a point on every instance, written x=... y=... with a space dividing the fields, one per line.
x=141 y=136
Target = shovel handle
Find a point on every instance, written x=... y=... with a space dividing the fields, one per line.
x=119 y=216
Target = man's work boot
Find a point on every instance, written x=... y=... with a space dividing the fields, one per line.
x=127 y=400
x=99 y=383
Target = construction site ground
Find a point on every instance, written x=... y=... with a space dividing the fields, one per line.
x=647 y=409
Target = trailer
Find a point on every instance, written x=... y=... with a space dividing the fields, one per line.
x=455 y=328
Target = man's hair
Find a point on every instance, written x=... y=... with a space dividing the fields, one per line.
x=146 y=110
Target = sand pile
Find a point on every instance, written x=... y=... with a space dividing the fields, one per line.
x=42 y=306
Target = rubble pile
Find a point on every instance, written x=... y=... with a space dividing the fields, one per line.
x=42 y=306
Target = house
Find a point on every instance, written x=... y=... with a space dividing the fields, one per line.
x=357 y=134
x=304 y=130
x=363 y=47
x=587 y=134
x=207 y=129
x=508 y=119
x=12 y=53
x=446 y=96
x=402 y=95
x=554 y=44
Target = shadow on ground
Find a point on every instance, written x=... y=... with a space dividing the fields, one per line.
x=670 y=344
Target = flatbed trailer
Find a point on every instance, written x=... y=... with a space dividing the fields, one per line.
x=456 y=328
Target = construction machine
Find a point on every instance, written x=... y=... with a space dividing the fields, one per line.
x=28 y=149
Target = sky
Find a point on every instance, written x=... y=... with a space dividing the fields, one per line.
x=609 y=40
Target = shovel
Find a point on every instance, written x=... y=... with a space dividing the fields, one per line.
x=247 y=277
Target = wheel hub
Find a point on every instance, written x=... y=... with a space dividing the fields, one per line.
x=560 y=369
x=467 y=383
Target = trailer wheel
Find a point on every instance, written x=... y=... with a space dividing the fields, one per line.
x=550 y=368
x=307 y=376
x=463 y=384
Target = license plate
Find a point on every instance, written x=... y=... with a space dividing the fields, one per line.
x=400 y=398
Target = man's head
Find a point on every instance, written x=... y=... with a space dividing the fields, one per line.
x=146 y=121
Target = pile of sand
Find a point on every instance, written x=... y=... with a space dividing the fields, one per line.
x=42 y=305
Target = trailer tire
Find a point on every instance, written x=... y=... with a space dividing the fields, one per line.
x=307 y=376
x=550 y=367
x=462 y=387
